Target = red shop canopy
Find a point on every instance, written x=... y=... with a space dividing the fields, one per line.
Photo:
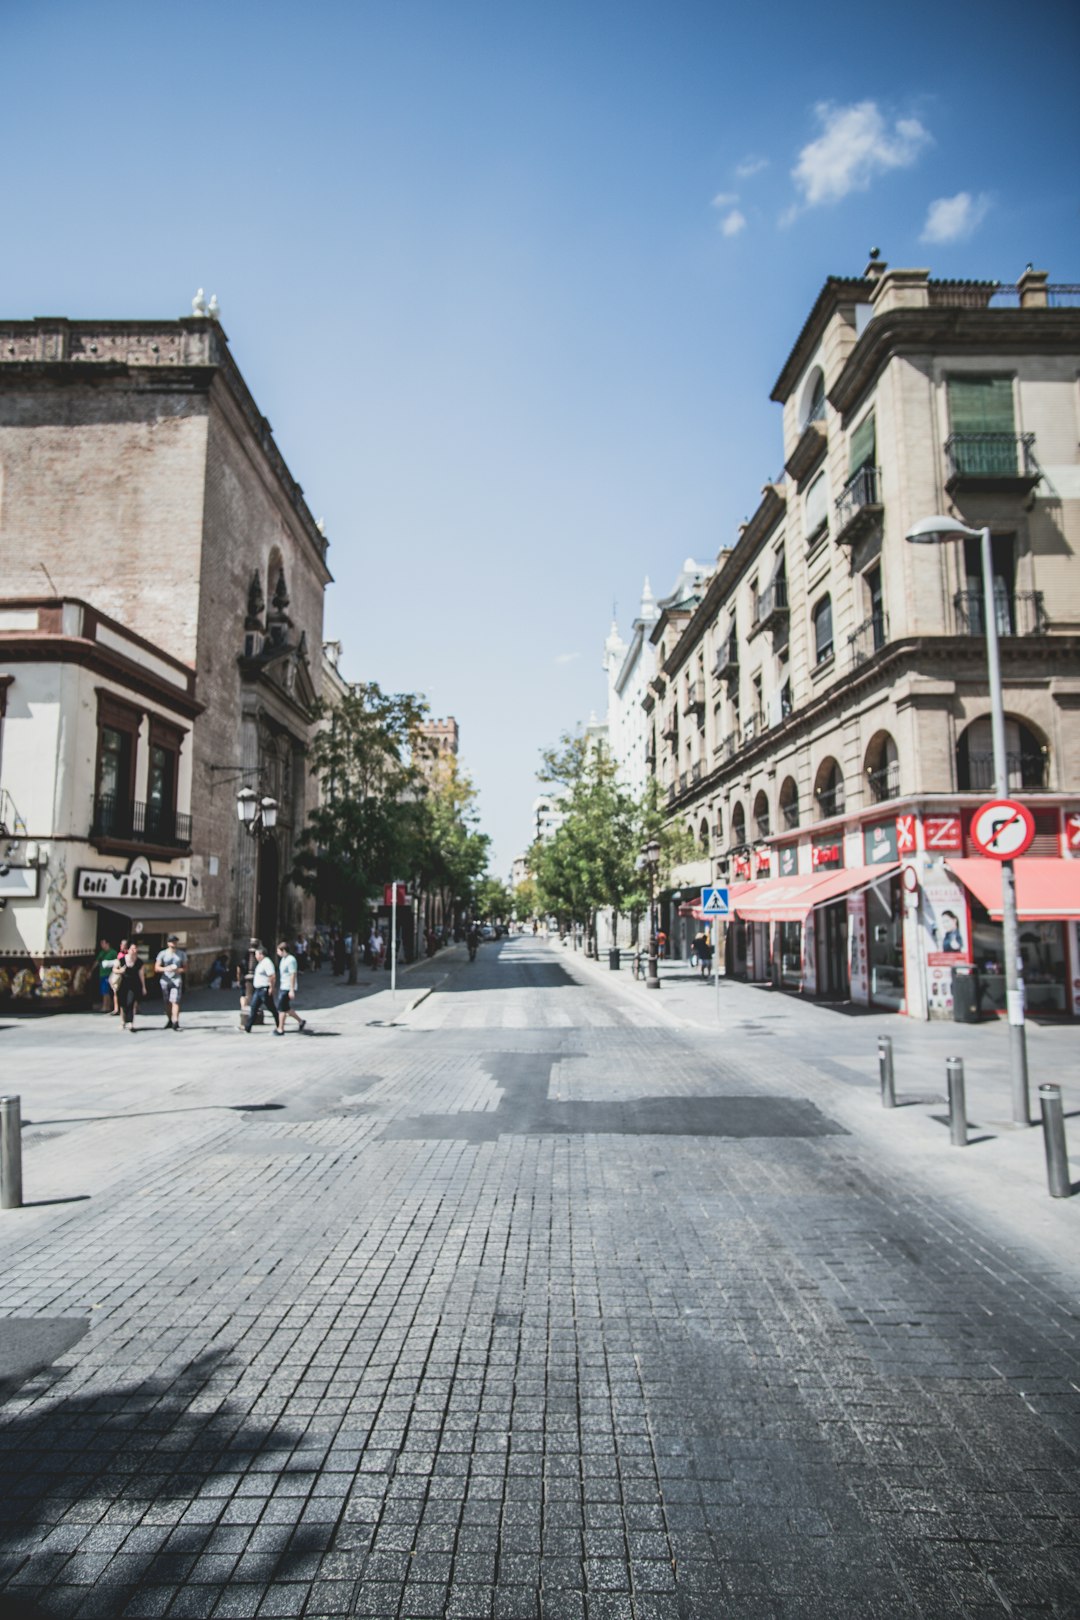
x=1047 y=887
x=789 y=899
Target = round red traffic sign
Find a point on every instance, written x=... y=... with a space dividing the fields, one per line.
x=1001 y=828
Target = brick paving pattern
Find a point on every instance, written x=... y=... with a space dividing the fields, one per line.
x=532 y=1306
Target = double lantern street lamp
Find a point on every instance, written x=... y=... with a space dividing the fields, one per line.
x=649 y=861
x=940 y=531
x=258 y=817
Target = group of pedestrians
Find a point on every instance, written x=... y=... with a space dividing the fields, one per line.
x=122 y=981
x=275 y=988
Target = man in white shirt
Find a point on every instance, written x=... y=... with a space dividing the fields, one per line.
x=171 y=966
x=262 y=989
x=288 y=979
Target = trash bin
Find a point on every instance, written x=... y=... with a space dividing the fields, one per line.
x=613 y=959
x=965 y=994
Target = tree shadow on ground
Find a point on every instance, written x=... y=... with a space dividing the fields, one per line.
x=113 y=1500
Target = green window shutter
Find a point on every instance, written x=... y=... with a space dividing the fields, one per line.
x=981 y=405
x=864 y=444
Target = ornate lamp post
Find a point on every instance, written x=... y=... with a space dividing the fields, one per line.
x=939 y=531
x=258 y=817
x=650 y=859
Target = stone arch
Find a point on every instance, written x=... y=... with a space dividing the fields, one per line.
x=738 y=824
x=703 y=835
x=762 y=820
x=882 y=766
x=829 y=789
x=789 y=803
x=1027 y=756
x=812 y=397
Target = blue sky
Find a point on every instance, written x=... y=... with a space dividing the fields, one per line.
x=513 y=281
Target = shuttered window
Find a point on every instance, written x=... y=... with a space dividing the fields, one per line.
x=981 y=405
x=864 y=444
x=816 y=505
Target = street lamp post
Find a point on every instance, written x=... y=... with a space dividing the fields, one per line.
x=650 y=856
x=258 y=817
x=939 y=531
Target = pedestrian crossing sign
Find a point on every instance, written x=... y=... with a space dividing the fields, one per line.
x=714 y=902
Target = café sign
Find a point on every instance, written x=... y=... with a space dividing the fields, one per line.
x=99 y=885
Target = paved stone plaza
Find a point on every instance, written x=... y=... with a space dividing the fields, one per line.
x=534 y=1295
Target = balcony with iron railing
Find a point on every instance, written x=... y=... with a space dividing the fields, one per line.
x=753 y=727
x=727 y=660
x=671 y=723
x=1029 y=770
x=884 y=781
x=1002 y=463
x=728 y=746
x=771 y=606
x=868 y=638
x=1016 y=613
x=694 y=699
x=131 y=822
x=858 y=506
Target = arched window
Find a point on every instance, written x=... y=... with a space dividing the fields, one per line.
x=738 y=825
x=1027 y=758
x=703 y=835
x=882 y=768
x=823 y=633
x=719 y=827
x=762 y=826
x=829 y=790
x=789 y=804
x=814 y=398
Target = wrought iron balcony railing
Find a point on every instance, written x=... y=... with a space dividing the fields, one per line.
x=695 y=697
x=991 y=461
x=868 y=638
x=727 y=660
x=771 y=605
x=858 y=506
x=1024 y=770
x=1017 y=613
x=131 y=821
x=884 y=782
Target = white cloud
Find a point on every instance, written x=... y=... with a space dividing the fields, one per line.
x=855 y=145
x=566 y=658
x=733 y=223
x=751 y=166
x=724 y=199
x=951 y=219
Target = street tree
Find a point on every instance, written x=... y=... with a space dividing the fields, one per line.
x=361 y=833
x=448 y=853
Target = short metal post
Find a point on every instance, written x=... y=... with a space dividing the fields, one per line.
x=885 y=1067
x=10 y=1153
x=1057 y=1158
x=954 y=1074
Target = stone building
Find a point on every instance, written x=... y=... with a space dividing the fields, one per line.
x=822 y=720
x=161 y=614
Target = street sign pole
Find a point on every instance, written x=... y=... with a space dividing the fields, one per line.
x=716 y=964
x=393 y=943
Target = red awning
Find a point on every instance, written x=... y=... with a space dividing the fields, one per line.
x=789 y=899
x=1047 y=887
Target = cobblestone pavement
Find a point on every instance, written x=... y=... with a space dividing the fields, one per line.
x=526 y=1301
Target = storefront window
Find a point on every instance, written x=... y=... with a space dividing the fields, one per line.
x=884 y=925
x=791 y=954
x=1042 y=949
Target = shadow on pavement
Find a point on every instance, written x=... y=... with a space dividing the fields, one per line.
x=125 y=1488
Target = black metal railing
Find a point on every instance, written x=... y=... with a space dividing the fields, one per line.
x=991 y=455
x=1016 y=613
x=868 y=638
x=752 y=727
x=884 y=781
x=831 y=801
x=862 y=490
x=771 y=603
x=139 y=823
x=727 y=660
x=1029 y=769
x=695 y=697
x=671 y=724
x=695 y=771
x=789 y=815
x=729 y=746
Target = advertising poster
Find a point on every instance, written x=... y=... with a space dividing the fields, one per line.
x=879 y=847
x=858 y=948
x=946 y=940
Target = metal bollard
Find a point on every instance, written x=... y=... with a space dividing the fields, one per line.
x=954 y=1075
x=885 y=1066
x=10 y=1153
x=1057 y=1158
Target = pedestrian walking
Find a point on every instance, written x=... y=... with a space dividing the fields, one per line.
x=262 y=989
x=132 y=988
x=171 y=966
x=99 y=975
x=703 y=948
x=116 y=975
x=288 y=981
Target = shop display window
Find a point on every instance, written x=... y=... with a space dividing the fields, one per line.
x=1042 y=948
x=885 y=944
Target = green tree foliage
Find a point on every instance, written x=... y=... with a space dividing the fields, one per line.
x=494 y=901
x=449 y=856
x=363 y=831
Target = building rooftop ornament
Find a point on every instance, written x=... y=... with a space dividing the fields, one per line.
x=198 y=304
x=214 y=308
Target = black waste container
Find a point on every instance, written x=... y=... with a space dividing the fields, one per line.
x=613 y=959
x=965 y=994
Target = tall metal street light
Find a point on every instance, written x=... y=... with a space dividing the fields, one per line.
x=940 y=531
x=650 y=857
x=258 y=817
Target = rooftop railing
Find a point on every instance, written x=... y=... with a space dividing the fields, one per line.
x=134 y=822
